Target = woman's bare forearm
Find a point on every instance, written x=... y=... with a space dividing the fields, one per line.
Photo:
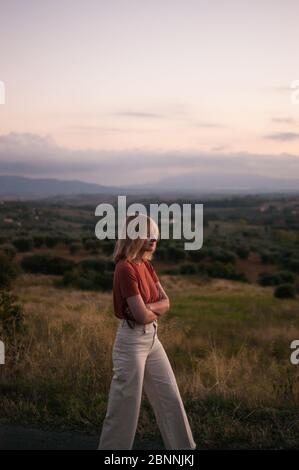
x=160 y=307
x=145 y=315
x=151 y=316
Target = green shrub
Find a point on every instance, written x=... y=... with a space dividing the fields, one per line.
x=221 y=270
x=8 y=250
x=88 y=279
x=91 y=245
x=274 y=279
x=221 y=255
x=269 y=279
x=74 y=248
x=90 y=274
x=50 y=242
x=267 y=257
x=69 y=240
x=285 y=291
x=8 y=271
x=38 y=241
x=23 y=243
x=292 y=265
x=161 y=253
x=188 y=268
x=97 y=264
x=175 y=254
x=171 y=271
x=46 y=264
x=197 y=255
x=242 y=252
x=287 y=277
x=11 y=314
x=107 y=246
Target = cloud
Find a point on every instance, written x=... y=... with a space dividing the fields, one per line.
x=136 y=114
x=212 y=125
x=282 y=88
x=39 y=156
x=283 y=136
x=107 y=129
x=285 y=120
x=220 y=148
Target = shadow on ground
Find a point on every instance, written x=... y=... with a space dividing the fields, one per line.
x=20 y=438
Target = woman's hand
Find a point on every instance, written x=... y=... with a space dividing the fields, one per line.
x=162 y=305
x=149 y=307
x=129 y=313
x=138 y=311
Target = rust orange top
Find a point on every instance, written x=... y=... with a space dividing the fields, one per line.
x=132 y=279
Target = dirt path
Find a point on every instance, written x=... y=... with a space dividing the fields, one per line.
x=13 y=437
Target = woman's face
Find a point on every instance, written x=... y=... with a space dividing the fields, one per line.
x=150 y=244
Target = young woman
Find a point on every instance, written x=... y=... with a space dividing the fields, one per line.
x=139 y=359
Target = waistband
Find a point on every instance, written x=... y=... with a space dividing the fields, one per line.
x=122 y=323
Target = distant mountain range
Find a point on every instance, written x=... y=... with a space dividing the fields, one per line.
x=221 y=181
x=26 y=188
x=19 y=186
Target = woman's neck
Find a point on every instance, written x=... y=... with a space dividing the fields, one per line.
x=137 y=260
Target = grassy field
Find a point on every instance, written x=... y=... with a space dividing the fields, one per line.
x=228 y=343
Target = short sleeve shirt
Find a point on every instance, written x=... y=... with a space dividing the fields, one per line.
x=132 y=279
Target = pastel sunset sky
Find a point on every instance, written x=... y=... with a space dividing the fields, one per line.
x=155 y=87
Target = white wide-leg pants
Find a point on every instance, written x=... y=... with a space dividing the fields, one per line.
x=139 y=360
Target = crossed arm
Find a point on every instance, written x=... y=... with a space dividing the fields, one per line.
x=146 y=313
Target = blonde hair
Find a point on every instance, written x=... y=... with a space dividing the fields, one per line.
x=128 y=248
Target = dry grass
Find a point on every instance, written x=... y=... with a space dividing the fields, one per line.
x=228 y=343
